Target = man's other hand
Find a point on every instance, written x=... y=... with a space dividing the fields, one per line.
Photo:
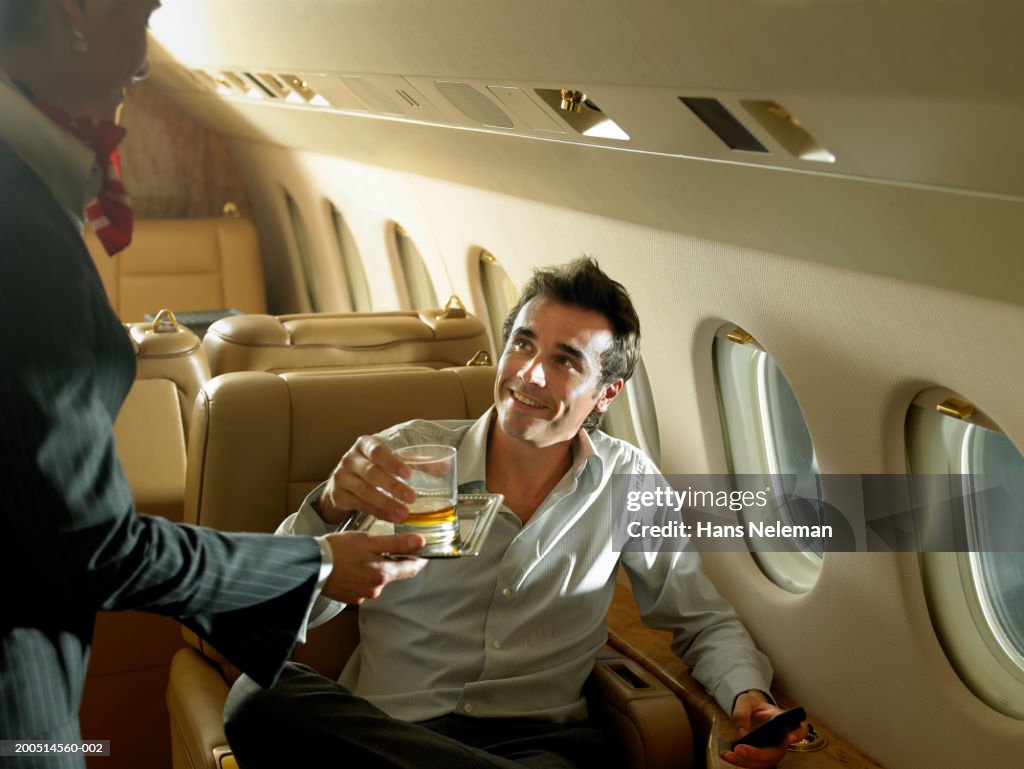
x=359 y=482
x=751 y=709
x=363 y=563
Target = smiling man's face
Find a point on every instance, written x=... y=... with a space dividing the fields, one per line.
x=550 y=371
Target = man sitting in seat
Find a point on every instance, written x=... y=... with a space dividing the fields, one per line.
x=480 y=662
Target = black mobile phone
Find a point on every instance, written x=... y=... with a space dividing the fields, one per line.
x=773 y=731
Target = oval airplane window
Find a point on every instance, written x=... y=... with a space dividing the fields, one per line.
x=976 y=597
x=357 y=287
x=305 y=251
x=500 y=295
x=765 y=434
x=419 y=288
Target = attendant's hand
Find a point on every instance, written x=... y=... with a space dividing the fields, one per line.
x=356 y=484
x=362 y=567
x=752 y=708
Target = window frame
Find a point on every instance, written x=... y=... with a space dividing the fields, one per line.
x=750 y=449
x=417 y=286
x=952 y=581
x=357 y=287
x=305 y=251
x=494 y=281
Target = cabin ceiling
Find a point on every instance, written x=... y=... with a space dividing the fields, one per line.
x=919 y=103
x=903 y=48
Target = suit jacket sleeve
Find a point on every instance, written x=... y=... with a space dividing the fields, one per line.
x=71 y=540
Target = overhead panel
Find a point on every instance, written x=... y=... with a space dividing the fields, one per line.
x=854 y=136
x=529 y=112
x=726 y=127
x=376 y=98
x=412 y=101
x=788 y=130
x=581 y=113
x=473 y=104
x=335 y=91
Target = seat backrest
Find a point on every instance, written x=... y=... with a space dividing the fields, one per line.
x=152 y=426
x=424 y=339
x=183 y=265
x=261 y=442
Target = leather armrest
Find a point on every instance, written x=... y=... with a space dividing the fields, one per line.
x=195 y=698
x=643 y=719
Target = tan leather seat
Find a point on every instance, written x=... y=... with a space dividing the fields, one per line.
x=183 y=265
x=259 y=444
x=123 y=699
x=152 y=427
x=424 y=339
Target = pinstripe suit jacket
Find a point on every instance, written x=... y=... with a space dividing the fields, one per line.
x=70 y=540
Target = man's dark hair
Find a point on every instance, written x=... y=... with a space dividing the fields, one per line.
x=582 y=283
x=21 y=20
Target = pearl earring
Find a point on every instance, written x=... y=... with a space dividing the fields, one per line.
x=79 y=45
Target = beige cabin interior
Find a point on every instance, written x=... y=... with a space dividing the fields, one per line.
x=872 y=246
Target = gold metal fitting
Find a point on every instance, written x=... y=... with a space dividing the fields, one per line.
x=572 y=100
x=454 y=308
x=953 y=407
x=163 y=322
x=480 y=358
x=300 y=86
x=230 y=209
x=739 y=336
x=812 y=742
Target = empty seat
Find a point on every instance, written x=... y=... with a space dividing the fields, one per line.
x=123 y=700
x=152 y=426
x=424 y=339
x=183 y=265
x=260 y=443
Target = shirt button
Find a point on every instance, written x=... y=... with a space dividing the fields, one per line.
x=496 y=644
x=467 y=707
x=507 y=592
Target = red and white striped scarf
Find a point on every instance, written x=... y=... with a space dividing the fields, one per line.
x=110 y=212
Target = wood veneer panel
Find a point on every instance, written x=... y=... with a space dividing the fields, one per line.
x=173 y=166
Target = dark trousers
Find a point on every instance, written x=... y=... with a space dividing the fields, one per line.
x=309 y=720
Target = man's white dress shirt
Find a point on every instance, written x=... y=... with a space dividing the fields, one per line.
x=514 y=632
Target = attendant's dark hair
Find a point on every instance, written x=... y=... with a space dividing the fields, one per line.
x=21 y=20
x=582 y=283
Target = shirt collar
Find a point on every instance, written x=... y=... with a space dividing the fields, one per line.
x=472 y=455
x=66 y=166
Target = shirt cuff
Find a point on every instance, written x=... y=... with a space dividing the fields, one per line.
x=326 y=566
x=737 y=681
x=767 y=696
